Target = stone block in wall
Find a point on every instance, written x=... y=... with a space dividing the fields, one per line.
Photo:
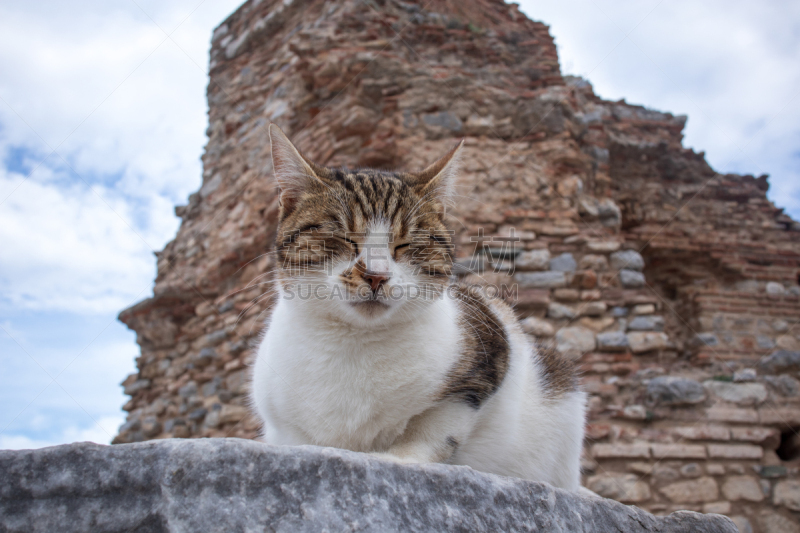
x=784 y=385
x=612 y=341
x=780 y=416
x=557 y=310
x=741 y=393
x=674 y=391
x=563 y=263
x=703 y=432
x=643 y=309
x=735 y=451
x=627 y=488
x=574 y=341
x=631 y=279
x=593 y=309
x=732 y=414
x=538 y=327
x=723 y=508
x=603 y=247
x=646 y=323
x=678 y=451
x=567 y=295
x=772 y=522
x=628 y=260
x=541 y=280
x=646 y=341
x=237 y=382
x=595 y=262
x=742 y=488
x=597 y=324
x=787 y=494
x=780 y=362
x=232 y=414
x=532 y=299
x=620 y=451
x=703 y=489
x=691 y=470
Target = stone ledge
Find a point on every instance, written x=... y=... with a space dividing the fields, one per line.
x=241 y=485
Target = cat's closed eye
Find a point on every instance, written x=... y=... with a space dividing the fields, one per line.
x=399 y=249
x=352 y=243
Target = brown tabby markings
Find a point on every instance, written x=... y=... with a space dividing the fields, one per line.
x=485 y=358
x=558 y=373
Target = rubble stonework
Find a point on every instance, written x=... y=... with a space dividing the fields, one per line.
x=675 y=287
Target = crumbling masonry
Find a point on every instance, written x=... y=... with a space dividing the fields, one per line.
x=674 y=286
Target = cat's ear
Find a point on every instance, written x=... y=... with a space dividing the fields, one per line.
x=293 y=172
x=438 y=180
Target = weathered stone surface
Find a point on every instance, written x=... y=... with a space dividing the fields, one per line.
x=647 y=323
x=627 y=488
x=546 y=280
x=627 y=259
x=612 y=341
x=702 y=489
x=603 y=246
x=692 y=470
x=557 y=310
x=670 y=390
x=744 y=375
x=574 y=341
x=732 y=414
x=238 y=485
x=631 y=279
x=741 y=393
x=533 y=260
x=537 y=326
x=645 y=341
x=643 y=309
x=742 y=488
x=678 y=451
x=780 y=362
x=563 y=263
x=766 y=437
x=619 y=450
x=787 y=494
x=772 y=522
x=743 y=524
x=594 y=262
x=784 y=385
x=735 y=451
x=776 y=289
x=703 y=432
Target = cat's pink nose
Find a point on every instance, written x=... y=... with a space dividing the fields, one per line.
x=375 y=279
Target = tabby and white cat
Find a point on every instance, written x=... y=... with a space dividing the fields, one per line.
x=371 y=346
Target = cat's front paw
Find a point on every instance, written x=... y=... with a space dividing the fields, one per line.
x=394 y=458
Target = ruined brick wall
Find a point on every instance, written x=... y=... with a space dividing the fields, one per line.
x=676 y=287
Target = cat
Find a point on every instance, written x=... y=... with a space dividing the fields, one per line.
x=385 y=353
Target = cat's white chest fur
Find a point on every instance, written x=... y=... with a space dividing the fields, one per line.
x=319 y=381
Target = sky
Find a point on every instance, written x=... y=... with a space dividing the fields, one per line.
x=102 y=124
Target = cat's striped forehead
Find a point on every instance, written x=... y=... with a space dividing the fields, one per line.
x=358 y=199
x=372 y=194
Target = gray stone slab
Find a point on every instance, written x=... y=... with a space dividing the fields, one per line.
x=236 y=485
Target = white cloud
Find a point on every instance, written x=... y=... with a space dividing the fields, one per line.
x=732 y=66
x=124 y=108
